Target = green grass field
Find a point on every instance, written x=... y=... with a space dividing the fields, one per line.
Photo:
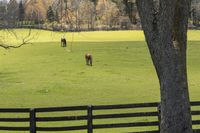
x=44 y=74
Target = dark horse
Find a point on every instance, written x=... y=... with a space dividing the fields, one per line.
x=88 y=59
x=63 y=42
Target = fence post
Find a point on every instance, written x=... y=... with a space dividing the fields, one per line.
x=32 y=121
x=159 y=116
x=90 y=119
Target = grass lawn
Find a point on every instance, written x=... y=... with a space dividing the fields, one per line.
x=44 y=74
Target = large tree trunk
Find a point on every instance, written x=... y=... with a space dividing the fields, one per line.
x=165 y=30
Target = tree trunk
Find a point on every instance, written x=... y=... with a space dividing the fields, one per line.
x=165 y=29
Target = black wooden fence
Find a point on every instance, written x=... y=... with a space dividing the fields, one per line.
x=33 y=119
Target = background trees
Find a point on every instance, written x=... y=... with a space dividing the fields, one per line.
x=12 y=12
x=69 y=14
x=82 y=15
x=195 y=12
x=3 y=9
x=87 y=14
x=50 y=14
x=21 y=15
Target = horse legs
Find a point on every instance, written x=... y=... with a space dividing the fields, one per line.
x=86 y=59
x=91 y=61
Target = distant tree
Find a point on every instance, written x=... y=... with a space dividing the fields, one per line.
x=128 y=8
x=131 y=10
x=50 y=14
x=2 y=10
x=12 y=12
x=94 y=10
x=36 y=10
x=94 y=1
x=86 y=14
x=195 y=12
x=61 y=6
x=56 y=16
x=21 y=11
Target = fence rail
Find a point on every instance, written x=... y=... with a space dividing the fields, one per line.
x=91 y=113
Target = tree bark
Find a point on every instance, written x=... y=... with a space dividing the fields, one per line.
x=165 y=29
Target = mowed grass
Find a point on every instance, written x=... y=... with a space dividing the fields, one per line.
x=100 y=36
x=44 y=74
x=47 y=75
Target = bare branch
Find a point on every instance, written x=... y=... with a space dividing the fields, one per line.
x=24 y=41
x=6 y=46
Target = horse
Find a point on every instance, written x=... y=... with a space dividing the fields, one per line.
x=63 y=42
x=88 y=59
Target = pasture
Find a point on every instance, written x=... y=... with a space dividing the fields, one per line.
x=44 y=74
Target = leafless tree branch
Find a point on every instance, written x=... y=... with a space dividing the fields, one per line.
x=24 y=40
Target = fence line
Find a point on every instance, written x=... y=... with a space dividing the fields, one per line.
x=89 y=117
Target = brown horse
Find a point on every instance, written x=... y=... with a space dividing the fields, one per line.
x=63 y=42
x=88 y=59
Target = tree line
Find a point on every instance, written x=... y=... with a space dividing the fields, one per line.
x=69 y=14
x=78 y=14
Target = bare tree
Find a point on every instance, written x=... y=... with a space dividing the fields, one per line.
x=8 y=24
x=166 y=36
x=86 y=14
x=23 y=40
